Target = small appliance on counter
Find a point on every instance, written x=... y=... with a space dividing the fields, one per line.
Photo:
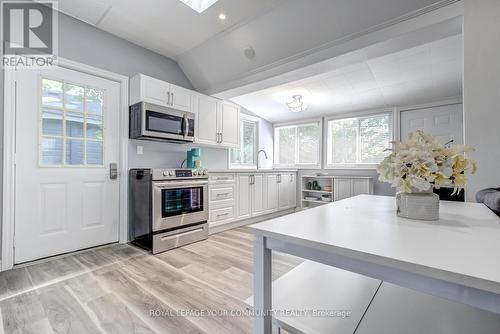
x=168 y=208
x=193 y=159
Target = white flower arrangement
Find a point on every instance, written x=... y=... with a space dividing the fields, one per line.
x=420 y=163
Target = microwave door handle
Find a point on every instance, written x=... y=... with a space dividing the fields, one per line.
x=186 y=126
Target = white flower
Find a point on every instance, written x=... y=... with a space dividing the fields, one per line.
x=421 y=163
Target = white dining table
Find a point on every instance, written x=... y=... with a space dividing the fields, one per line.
x=456 y=257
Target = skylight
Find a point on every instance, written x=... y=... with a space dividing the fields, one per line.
x=199 y=5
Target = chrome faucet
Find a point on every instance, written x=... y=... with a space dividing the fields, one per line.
x=258 y=154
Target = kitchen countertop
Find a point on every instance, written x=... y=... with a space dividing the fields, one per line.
x=252 y=170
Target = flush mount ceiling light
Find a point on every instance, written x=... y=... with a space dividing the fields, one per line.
x=199 y=5
x=296 y=104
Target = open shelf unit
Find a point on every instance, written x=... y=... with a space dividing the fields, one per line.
x=315 y=195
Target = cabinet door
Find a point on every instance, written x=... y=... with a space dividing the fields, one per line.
x=293 y=191
x=284 y=191
x=181 y=98
x=272 y=192
x=360 y=187
x=244 y=192
x=342 y=188
x=230 y=124
x=155 y=91
x=258 y=195
x=207 y=120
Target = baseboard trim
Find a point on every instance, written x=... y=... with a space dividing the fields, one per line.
x=217 y=228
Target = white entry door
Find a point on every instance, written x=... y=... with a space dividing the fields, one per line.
x=444 y=122
x=67 y=135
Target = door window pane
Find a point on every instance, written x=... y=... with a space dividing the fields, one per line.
x=52 y=93
x=71 y=130
x=74 y=97
x=94 y=153
x=95 y=101
x=94 y=126
x=52 y=122
x=74 y=124
x=51 y=151
x=74 y=152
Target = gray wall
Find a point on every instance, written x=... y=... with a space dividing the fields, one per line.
x=83 y=43
x=482 y=91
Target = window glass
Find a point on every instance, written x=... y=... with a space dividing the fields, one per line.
x=245 y=155
x=52 y=93
x=298 y=145
x=71 y=131
x=360 y=140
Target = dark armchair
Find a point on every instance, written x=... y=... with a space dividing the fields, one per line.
x=491 y=198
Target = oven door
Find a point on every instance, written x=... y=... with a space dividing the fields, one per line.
x=179 y=203
x=167 y=123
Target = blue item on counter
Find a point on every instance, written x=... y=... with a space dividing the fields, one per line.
x=193 y=155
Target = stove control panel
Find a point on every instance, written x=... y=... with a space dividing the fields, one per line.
x=169 y=174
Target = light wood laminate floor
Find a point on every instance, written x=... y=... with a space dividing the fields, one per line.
x=122 y=289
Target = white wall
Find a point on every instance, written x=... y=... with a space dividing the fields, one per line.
x=482 y=91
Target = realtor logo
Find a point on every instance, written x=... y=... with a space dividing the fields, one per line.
x=29 y=34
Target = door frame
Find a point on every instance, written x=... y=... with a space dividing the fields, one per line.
x=9 y=158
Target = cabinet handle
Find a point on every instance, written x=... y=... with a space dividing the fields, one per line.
x=172 y=99
x=168 y=98
x=222 y=194
x=221 y=137
x=222 y=214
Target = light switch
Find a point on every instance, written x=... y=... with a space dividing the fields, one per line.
x=140 y=149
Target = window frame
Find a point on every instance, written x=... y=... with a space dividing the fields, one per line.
x=356 y=166
x=256 y=120
x=296 y=124
x=63 y=136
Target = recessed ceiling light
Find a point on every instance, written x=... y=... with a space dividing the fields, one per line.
x=222 y=16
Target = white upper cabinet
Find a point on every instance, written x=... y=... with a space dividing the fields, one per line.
x=218 y=122
x=230 y=124
x=181 y=98
x=206 y=121
x=151 y=90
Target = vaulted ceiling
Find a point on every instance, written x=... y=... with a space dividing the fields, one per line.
x=277 y=32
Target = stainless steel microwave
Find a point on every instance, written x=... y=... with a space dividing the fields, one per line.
x=153 y=122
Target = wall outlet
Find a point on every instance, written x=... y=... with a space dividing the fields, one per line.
x=140 y=149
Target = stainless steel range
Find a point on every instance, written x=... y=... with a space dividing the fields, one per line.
x=168 y=208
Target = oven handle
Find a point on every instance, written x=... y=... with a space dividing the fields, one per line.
x=166 y=185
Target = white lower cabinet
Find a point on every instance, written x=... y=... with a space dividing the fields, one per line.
x=272 y=193
x=241 y=196
x=349 y=187
x=287 y=191
x=258 y=195
x=243 y=201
